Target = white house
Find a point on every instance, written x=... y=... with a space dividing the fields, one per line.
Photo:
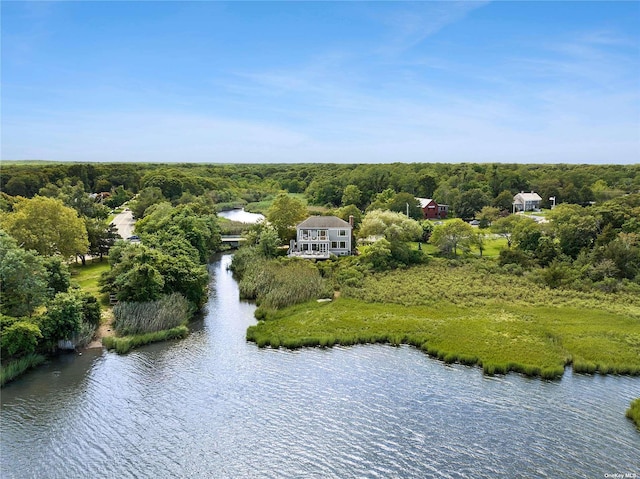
x=320 y=236
x=526 y=201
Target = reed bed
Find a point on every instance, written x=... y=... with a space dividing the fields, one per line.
x=479 y=284
x=633 y=412
x=16 y=367
x=278 y=284
x=168 y=312
x=123 y=345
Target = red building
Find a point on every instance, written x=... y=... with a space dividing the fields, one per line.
x=432 y=210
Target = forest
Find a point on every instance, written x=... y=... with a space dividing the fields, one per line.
x=54 y=214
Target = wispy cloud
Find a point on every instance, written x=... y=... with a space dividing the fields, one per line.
x=412 y=23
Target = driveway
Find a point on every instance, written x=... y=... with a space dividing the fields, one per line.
x=124 y=223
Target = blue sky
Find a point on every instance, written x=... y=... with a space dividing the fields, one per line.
x=354 y=82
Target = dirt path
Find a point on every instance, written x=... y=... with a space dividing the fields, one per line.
x=104 y=330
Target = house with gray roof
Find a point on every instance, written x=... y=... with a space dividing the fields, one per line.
x=318 y=237
x=526 y=201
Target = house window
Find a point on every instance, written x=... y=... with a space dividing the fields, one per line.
x=342 y=232
x=343 y=245
x=334 y=245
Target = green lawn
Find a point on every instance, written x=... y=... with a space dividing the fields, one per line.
x=87 y=277
x=492 y=247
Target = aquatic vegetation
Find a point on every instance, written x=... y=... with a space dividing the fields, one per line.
x=123 y=345
x=168 y=312
x=470 y=314
x=279 y=283
x=16 y=367
x=633 y=412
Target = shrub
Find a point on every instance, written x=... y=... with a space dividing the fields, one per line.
x=19 y=339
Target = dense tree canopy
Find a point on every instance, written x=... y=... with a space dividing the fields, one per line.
x=453 y=235
x=47 y=226
x=284 y=214
x=23 y=278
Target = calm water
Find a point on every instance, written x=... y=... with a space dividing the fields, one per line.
x=214 y=406
x=242 y=216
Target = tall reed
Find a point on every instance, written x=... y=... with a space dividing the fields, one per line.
x=137 y=318
x=123 y=345
x=16 y=367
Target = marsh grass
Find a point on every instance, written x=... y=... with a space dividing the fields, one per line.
x=501 y=333
x=148 y=317
x=16 y=367
x=633 y=412
x=123 y=345
x=277 y=284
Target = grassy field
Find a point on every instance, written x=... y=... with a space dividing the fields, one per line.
x=87 y=277
x=492 y=247
x=464 y=314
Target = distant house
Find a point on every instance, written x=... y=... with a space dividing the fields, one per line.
x=526 y=201
x=320 y=236
x=432 y=210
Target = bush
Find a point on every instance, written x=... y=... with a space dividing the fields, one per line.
x=166 y=313
x=20 y=338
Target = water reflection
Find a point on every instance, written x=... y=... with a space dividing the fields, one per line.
x=214 y=406
x=241 y=216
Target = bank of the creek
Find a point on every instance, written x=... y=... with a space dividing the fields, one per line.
x=213 y=405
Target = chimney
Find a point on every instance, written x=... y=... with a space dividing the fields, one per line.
x=351 y=220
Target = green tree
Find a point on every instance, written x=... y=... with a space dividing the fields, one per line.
x=377 y=255
x=284 y=214
x=391 y=225
x=63 y=317
x=505 y=226
x=141 y=283
x=350 y=210
x=574 y=227
x=452 y=235
x=269 y=241
x=504 y=201
x=147 y=197
x=526 y=234
x=58 y=275
x=48 y=227
x=487 y=215
x=351 y=195
x=23 y=279
x=399 y=204
x=470 y=202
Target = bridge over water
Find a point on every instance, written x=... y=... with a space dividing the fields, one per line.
x=232 y=240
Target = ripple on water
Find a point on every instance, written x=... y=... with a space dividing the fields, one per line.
x=214 y=406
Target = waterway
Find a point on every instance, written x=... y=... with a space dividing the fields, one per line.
x=242 y=216
x=214 y=406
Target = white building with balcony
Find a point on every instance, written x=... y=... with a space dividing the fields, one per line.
x=318 y=237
